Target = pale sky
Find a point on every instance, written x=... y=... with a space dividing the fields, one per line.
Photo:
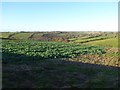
x=59 y=16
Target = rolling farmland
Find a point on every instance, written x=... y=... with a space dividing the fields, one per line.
x=60 y=59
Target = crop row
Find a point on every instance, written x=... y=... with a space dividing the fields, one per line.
x=48 y=49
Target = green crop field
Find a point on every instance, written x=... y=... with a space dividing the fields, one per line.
x=49 y=49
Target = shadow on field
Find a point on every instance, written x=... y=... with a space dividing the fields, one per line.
x=20 y=71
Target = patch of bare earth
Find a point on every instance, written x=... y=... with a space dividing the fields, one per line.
x=109 y=58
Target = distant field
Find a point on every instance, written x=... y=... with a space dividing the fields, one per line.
x=22 y=36
x=111 y=42
x=6 y=34
x=37 y=35
x=84 y=40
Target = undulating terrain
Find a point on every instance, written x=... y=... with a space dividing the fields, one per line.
x=60 y=59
